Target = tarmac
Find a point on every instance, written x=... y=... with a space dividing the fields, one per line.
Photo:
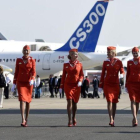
x=48 y=120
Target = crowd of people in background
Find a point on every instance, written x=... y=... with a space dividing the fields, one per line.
x=110 y=83
x=53 y=85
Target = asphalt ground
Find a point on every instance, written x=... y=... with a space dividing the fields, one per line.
x=48 y=121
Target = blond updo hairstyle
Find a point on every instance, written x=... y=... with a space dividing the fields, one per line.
x=113 y=51
x=1 y=68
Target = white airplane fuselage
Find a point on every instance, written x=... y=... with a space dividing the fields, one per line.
x=49 y=62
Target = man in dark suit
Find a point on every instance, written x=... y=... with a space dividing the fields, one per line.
x=58 y=85
x=95 y=87
x=121 y=80
x=85 y=86
x=51 y=85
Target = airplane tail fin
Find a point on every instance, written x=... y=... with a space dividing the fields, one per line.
x=2 y=37
x=86 y=36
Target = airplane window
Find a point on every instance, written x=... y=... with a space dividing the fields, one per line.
x=0 y=60
x=6 y=60
x=38 y=60
x=10 y=60
x=3 y=60
x=13 y=60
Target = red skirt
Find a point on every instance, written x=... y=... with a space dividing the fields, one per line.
x=134 y=91
x=24 y=91
x=72 y=92
x=111 y=92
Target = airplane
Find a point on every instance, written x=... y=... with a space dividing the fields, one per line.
x=86 y=36
x=8 y=45
x=84 y=39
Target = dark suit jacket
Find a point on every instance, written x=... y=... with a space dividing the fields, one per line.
x=85 y=83
x=52 y=82
x=59 y=82
x=95 y=83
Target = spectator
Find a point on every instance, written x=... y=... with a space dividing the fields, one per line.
x=6 y=89
x=121 y=84
x=95 y=87
x=2 y=85
x=58 y=85
x=82 y=89
x=51 y=83
x=37 y=94
x=85 y=86
x=34 y=89
x=55 y=85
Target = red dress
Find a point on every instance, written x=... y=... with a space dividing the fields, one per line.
x=24 y=73
x=70 y=78
x=109 y=79
x=133 y=80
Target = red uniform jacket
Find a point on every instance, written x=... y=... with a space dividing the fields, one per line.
x=72 y=75
x=24 y=72
x=133 y=72
x=110 y=72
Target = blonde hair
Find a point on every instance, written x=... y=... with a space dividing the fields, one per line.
x=114 y=51
x=1 y=68
x=71 y=52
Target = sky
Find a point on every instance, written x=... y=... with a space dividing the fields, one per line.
x=56 y=20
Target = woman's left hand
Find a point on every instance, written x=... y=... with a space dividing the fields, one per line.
x=79 y=84
x=31 y=82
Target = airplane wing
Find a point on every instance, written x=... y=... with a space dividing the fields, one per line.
x=6 y=68
x=2 y=37
x=125 y=53
x=82 y=57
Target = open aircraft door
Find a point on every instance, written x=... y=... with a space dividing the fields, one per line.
x=46 y=62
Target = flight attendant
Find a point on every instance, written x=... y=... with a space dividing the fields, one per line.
x=23 y=79
x=109 y=81
x=133 y=83
x=71 y=81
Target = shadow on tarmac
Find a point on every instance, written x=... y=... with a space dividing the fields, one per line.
x=63 y=111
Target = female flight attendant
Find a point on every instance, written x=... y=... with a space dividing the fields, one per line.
x=109 y=81
x=71 y=81
x=23 y=79
x=133 y=83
